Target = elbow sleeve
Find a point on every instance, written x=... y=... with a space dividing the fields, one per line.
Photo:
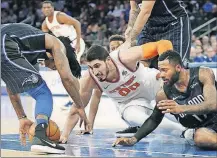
x=153 y=49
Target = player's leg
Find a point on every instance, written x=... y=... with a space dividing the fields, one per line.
x=206 y=136
x=134 y=116
x=179 y=33
x=43 y=110
x=20 y=76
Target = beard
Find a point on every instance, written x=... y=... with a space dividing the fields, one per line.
x=174 y=79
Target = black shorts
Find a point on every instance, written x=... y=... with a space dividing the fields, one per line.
x=18 y=74
x=178 y=32
x=211 y=123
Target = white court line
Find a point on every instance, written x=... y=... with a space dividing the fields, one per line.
x=144 y=151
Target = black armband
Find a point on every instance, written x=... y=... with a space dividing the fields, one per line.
x=150 y=124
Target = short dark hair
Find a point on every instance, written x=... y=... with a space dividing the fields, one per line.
x=117 y=38
x=96 y=52
x=70 y=54
x=50 y=2
x=172 y=56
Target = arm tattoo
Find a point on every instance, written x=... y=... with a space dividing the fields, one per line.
x=133 y=16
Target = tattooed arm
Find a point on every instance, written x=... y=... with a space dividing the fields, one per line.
x=142 y=18
x=62 y=65
x=207 y=78
x=134 y=12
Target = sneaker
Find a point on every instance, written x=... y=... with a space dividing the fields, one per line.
x=41 y=143
x=128 y=132
x=188 y=134
x=67 y=105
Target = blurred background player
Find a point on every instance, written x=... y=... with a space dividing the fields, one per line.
x=188 y=94
x=161 y=19
x=115 y=41
x=21 y=46
x=60 y=24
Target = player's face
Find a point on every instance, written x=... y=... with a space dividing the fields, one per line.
x=113 y=45
x=168 y=72
x=99 y=69
x=47 y=9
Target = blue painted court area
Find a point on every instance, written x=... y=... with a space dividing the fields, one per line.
x=162 y=143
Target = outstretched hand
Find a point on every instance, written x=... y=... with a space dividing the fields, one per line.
x=125 y=141
x=25 y=125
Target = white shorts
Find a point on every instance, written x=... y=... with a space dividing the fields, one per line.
x=136 y=112
x=137 y=102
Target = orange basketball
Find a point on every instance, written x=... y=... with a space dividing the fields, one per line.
x=53 y=131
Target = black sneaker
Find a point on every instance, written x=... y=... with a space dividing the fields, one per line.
x=41 y=143
x=128 y=132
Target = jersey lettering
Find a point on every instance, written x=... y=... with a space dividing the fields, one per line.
x=124 y=91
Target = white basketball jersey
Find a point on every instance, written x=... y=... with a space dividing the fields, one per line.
x=61 y=29
x=142 y=83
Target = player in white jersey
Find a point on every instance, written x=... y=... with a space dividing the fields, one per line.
x=123 y=79
x=60 y=24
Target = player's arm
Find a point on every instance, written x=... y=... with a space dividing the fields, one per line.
x=131 y=56
x=148 y=126
x=65 y=19
x=62 y=65
x=207 y=78
x=86 y=88
x=25 y=123
x=134 y=12
x=94 y=104
x=209 y=105
x=142 y=18
x=44 y=27
x=17 y=105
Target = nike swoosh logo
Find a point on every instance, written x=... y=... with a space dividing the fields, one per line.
x=176 y=98
x=174 y=23
x=106 y=87
x=51 y=144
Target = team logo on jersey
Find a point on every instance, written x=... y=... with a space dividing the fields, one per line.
x=124 y=73
x=33 y=78
x=193 y=85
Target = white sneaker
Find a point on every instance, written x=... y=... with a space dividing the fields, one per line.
x=188 y=134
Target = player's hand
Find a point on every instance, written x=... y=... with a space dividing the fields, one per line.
x=77 y=47
x=63 y=138
x=125 y=141
x=25 y=124
x=83 y=118
x=170 y=106
x=83 y=132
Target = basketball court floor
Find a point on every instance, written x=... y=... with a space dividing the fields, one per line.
x=161 y=143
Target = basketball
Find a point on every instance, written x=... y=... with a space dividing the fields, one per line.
x=52 y=132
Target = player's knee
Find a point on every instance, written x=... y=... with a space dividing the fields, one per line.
x=200 y=137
